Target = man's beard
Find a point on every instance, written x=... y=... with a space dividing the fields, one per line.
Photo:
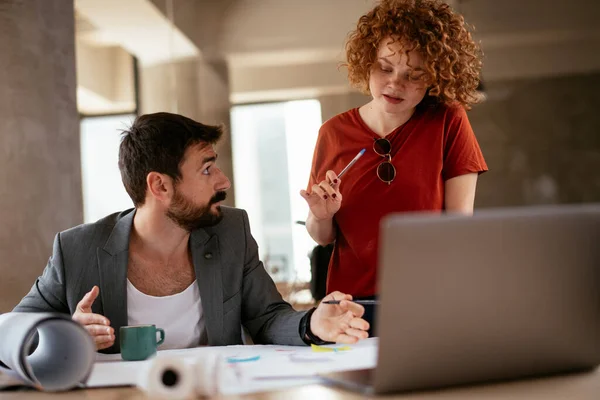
x=191 y=217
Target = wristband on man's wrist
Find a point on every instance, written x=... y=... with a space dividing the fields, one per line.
x=306 y=333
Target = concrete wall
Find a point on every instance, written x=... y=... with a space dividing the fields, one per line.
x=39 y=139
x=541 y=139
x=107 y=74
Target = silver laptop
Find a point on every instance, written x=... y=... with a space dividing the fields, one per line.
x=505 y=294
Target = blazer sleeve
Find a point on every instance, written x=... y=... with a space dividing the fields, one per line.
x=266 y=316
x=48 y=293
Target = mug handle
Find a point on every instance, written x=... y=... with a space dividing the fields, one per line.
x=162 y=336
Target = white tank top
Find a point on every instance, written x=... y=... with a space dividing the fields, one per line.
x=180 y=315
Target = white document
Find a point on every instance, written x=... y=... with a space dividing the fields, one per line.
x=247 y=369
x=63 y=358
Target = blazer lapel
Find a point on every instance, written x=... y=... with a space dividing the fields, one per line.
x=112 y=264
x=206 y=259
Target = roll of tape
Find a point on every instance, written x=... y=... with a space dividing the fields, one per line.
x=167 y=378
x=207 y=371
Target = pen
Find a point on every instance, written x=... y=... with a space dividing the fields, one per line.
x=351 y=163
x=362 y=302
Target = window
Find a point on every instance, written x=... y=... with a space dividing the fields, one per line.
x=103 y=191
x=273 y=146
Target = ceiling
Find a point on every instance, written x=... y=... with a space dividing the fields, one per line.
x=279 y=48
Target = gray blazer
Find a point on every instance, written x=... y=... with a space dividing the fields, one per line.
x=234 y=287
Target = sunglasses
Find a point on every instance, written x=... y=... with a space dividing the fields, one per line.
x=386 y=171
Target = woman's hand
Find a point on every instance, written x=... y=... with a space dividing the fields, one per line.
x=325 y=199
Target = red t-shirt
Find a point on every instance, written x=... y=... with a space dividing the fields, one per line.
x=437 y=143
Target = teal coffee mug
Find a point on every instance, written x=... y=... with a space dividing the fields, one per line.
x=138 y=342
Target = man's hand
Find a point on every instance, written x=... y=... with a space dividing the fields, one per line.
x=340 y=323
x=97 y=325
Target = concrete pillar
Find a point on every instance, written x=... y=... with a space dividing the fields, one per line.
x=39 y=138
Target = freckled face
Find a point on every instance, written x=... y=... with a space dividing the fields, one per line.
x=398 y=82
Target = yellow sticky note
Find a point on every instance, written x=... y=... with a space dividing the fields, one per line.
x=321 y=349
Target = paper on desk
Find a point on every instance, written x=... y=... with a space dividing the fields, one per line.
x=282 y=367
x=272 y=367
x=63 y=358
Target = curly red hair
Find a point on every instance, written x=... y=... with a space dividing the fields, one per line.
x=451 y=58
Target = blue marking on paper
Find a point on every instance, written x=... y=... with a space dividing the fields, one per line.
x=232 y=360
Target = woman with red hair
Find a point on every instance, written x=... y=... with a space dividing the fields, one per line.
x=418 y=62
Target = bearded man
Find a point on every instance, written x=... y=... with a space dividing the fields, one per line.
x=178 y=260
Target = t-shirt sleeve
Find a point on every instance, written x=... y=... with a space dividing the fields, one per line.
x=462 y=154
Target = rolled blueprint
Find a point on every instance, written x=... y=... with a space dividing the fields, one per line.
x=48 y=351
x=167 y=378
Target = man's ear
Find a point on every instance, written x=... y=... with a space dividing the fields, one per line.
x=160 y=186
